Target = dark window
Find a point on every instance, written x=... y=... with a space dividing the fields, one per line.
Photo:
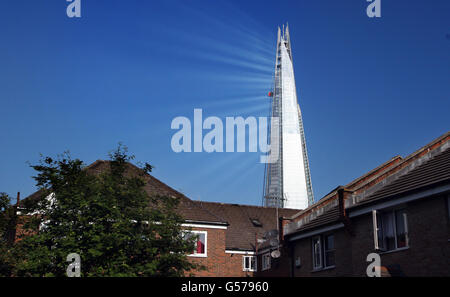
x=329 y=250
x=317 y=252
x=448 y=205
x=391 y=230
x=323 y=251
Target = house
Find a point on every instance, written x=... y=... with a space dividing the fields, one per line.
x=400 y=211
x=250 y=230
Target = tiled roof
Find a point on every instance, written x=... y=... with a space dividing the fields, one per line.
x=434 y=168
x=187 y=208
x=242 y=233
x=432 y=172
x=327 y=218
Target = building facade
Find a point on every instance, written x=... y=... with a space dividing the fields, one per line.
x=399 y=212
x=228 y=235
x=287 y=178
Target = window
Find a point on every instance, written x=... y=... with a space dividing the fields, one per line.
x=298 y=262
x=328 y=250
x=200 y=246
x=390 y=229
x=249 y=263
x=448 y=205
x=323 y=251
x=317 y=252
x=266 y=261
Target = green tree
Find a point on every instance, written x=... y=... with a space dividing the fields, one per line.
x=107 y=218
x=7 y=226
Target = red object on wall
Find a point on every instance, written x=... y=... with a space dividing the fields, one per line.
x=200 y=247
x=270 y=94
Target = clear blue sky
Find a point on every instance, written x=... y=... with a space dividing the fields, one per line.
x=369 y=89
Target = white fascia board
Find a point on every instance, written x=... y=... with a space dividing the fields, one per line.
x=269 y=249
x=239 y=252
x=204 y=226
x=317 y=231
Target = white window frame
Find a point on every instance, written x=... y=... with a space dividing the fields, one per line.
x=250 y=263
x=195 y=254
x=448 y=204
x=266 y=258
x=322 y=251
x=377 y=218
x=448 y=207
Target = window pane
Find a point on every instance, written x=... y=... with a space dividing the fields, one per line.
x=329 y=258
x=329 y=242
x=316 y=253
x=388 y=230
x=329 y=250
x=187 y=236
x=380 y=231
x=252 y=263
x=266 y=261
x=200 y=244
x=400 y=228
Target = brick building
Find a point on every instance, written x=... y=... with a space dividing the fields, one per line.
x=228 y=234
x=400 y=211
x=248 y=231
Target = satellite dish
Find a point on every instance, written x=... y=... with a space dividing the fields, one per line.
x=274 y=242
x=275 y=254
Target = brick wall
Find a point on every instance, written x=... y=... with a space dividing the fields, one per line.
x=215 y=249
x=428 y=253
x=429 y=249
x=279 y=267
x=343 y=256
x=234 y=266
x=218 y=263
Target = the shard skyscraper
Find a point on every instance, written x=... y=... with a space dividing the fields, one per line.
x=287 y=182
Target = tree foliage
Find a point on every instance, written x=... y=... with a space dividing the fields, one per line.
x=107 y=218
x=7 y=223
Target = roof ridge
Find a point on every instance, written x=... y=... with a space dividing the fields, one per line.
x=388 y=162
x=410 y=168
x=429 y=145
x=246 y=205
x=404 y=160
x=148 y=176
x=319 y=207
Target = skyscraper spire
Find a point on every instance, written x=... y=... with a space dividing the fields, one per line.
x=287 y=181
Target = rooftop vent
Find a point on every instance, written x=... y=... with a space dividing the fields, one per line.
x=256 y=222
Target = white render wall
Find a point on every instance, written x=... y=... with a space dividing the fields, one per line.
x=294 y=180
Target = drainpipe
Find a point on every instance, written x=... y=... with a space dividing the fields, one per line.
x=287 y=247
x=342 y=212
x=18 y=199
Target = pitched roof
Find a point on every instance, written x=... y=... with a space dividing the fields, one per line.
x=434 y=171
x=187 y=208
x=242 y=233
x=329 y=217
x=425 y=167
